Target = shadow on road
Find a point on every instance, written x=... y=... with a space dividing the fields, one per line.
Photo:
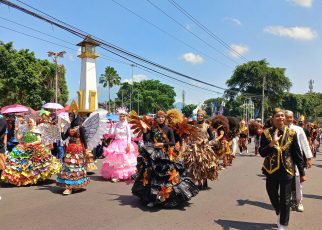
x=240 y=225
x=319 y=166
x=134 y=202
x=312 y=196
x=96 y=178
x=255 y=203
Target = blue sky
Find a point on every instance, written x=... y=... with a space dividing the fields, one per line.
x=285 y=32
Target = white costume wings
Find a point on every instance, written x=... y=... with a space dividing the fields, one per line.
x=95 y=127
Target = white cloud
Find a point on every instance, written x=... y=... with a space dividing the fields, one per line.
x=303 y=3
x=238 y=49
x=136 y=78
x=297 y=33
x=192 y=58
x=233 y=20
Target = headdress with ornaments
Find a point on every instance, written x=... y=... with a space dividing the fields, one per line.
x=302 y=118
x=122 y=110
x=175 y=115
x=201 y=112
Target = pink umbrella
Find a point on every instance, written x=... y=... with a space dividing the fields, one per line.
x=15 y=108
x=52 y=105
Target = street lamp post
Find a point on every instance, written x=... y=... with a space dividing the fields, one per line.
x=56 y=55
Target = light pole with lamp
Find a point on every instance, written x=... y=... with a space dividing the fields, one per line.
x=56 y=55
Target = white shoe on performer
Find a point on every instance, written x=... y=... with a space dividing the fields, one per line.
x=67 y=192
x=282 y=227
x=300 y=207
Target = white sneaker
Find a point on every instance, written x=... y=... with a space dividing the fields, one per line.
x=281 y=227
x=300 y=207
x=278 y=221
x=67 y=192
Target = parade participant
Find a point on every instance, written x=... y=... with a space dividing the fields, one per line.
x=255 y=129
x=280 y=147
x=3 y=142
x=243 y=137
x=305 y=148
x=232 y=136
x=200 y=159
x=73 y=175
x=223 y=148
x=160 y=178
x=30 y=161
x=120 y=156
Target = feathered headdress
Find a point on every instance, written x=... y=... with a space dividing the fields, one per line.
x=201 y=112
x=220 y=122
x=254 y=128
x=175 y=116
x=302 y=118
x=122 y=110
x=233 y=126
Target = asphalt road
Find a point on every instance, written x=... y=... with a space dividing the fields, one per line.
x=238 y=200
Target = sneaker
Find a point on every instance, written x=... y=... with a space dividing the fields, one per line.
x=114 y=180
x=300 y=207
x=246 y=151
x=278 y=221
x=67 y=192
x=281 y=227
x=150 y=205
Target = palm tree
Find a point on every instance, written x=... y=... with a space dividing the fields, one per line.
x=109 y=79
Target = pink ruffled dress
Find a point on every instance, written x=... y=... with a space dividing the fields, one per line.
x=118 y=164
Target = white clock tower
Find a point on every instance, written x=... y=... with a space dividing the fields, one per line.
x=87 y=94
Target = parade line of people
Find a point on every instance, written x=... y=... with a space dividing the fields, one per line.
x=169 y=158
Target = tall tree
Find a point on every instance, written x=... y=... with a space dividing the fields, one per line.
x=188 y=109
x=108 y=79
x=149 y=96
x=248 y=79
x=24 y=79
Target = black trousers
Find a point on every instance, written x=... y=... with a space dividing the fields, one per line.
x=279 y=192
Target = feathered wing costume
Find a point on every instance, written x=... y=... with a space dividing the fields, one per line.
x=221 y=124
x=200 y=159
x=161 y=177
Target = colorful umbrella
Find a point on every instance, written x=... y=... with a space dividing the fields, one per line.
x=15 y=108
x=112 y=117
x=52 y=105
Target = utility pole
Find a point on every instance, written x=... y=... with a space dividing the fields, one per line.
x=132 y=65
x=138 y=103
x=122 y=98
x=56 y=55
x=263 y=98
x=183 y=98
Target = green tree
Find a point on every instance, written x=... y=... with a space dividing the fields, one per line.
x=149 y=96
x=24 y=79
x=108 y=79
x=188 y=109
x=248 y=79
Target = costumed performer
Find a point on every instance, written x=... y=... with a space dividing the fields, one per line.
x=73 y=175
x=120 y=156
x=161 y=177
